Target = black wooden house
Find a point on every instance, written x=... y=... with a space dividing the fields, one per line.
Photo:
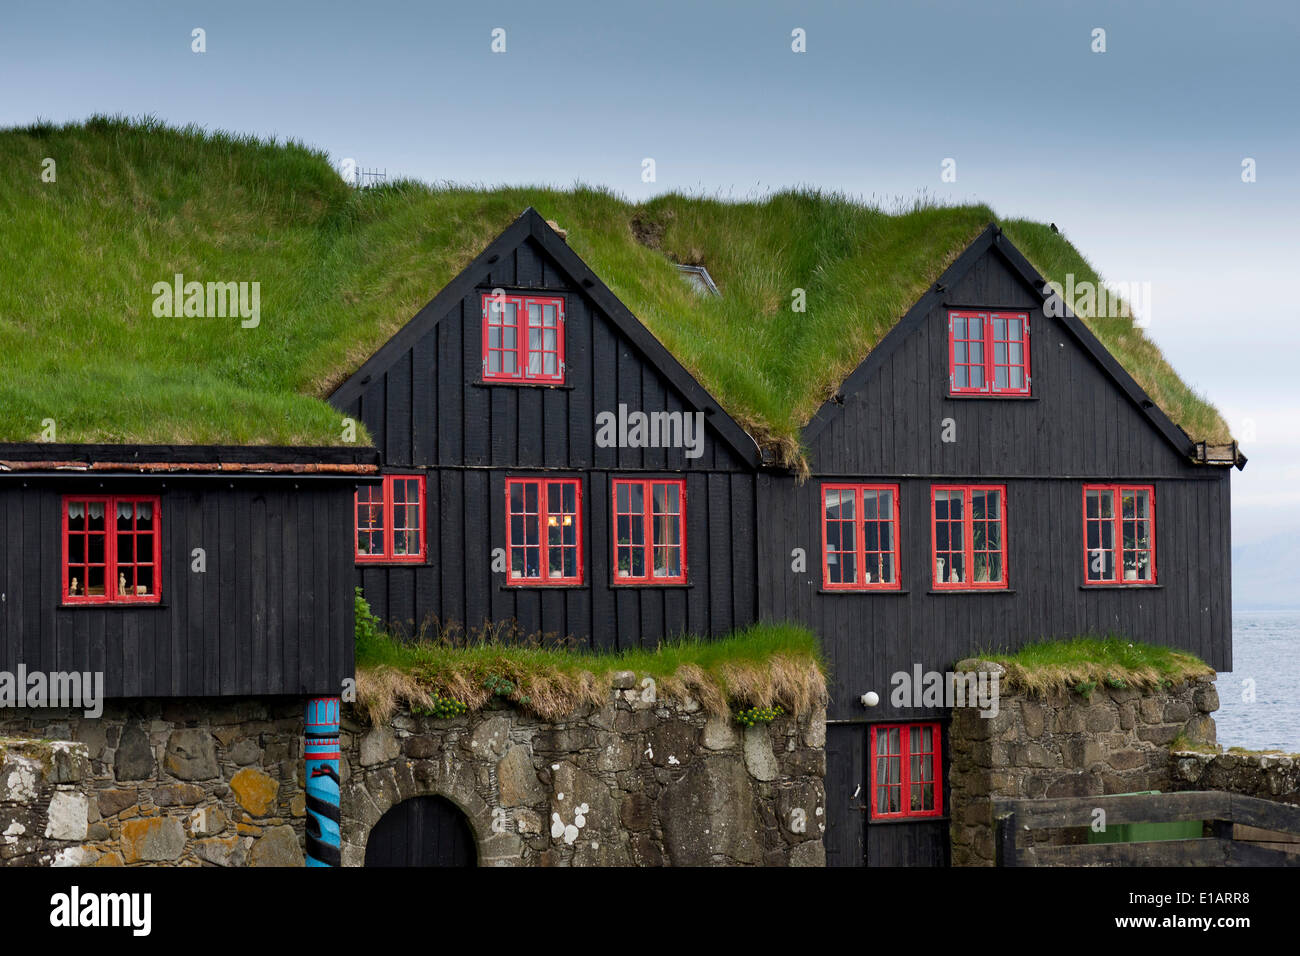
x=989 y=475
x=180 y=571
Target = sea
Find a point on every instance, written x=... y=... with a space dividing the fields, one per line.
x=1259 y=699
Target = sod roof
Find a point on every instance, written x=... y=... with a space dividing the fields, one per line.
x=135 y=202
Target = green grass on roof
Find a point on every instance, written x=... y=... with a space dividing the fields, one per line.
x=1054 y=257
x=341 y=270
x=1083 y=662
x=763 y=665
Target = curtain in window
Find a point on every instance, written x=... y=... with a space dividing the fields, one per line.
x=666 y=503
x=921 y=769
x=889 y=778
x=77 y=509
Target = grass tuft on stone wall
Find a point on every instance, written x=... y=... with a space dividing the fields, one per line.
x=1091 y=662
x=759 y=666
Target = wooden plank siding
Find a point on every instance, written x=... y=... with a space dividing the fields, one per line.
x=1079 y=427
x=272 y=614
x=467 y=437
x=869 y=636
x=423 y=399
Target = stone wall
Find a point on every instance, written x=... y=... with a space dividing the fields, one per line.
x=637 y=782
x=169 y=783
x=1117 y=740
x=220 y=782
x=1270 y=776
x=44 y=810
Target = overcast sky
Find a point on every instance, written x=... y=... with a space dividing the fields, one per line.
x=1135 y=152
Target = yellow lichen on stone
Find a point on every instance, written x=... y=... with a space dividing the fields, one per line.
x=254 y=790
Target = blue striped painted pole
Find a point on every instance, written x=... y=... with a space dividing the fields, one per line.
x=321 y=753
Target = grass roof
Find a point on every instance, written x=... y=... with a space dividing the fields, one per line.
x=764 y=665
x=1091 y=661
x=340 y=270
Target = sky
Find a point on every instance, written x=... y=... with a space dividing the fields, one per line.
x=1136 y=153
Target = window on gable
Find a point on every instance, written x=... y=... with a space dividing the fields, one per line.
x=112 y=549
x=860 y=537
x=544 y=531
x=1119 y=540
x=523 y=338
x=988 y=353
x=906 y=771
x=970 y=536
x=390 y=520
x=649 y=531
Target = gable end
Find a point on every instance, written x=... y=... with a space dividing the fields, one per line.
x=530 y=224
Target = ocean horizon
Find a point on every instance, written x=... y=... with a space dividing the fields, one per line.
x=1258 y=706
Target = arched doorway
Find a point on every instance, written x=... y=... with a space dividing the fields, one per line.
x=422 y=831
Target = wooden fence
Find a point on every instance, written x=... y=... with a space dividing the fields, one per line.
x=1240 y=830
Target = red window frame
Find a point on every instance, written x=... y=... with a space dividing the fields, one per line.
x=112 y=563
x=522 y=351
x=968 y=550
x=648 y=545
x=381 y=517
x=543 y=547
x=988 y=342
x=860 y=551
x=902 y=750
x=1118 y=521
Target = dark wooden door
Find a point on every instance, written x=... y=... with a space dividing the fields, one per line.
x=424 y=831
